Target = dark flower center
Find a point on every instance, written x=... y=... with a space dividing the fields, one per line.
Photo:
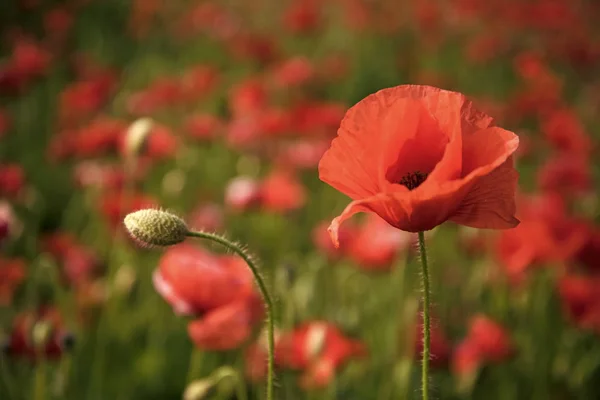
x=413 y=179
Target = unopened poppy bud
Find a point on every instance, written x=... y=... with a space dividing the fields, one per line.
x=137 y=136
x=198 y=390
x=40 y=334
x=156 y=228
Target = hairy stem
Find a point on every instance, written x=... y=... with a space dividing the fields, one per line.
x=426 y=321
x=264 y=292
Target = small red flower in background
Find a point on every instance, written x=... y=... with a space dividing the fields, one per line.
x=78 y=263
x=282 y=191
x=203 y=127
x=28 y=61
x=98 y=138
x=241 y=193
x=12 y=274
x=295 y=71
x=545 y=235
x=579 y=295
x=57 y=23
x=565 y=132
x=318 y=348
x=376 y=244
x=418 y=156
x=568 y=175
x=248 y=97
x=589 y=254
x=486 y=342
x=198 y=82
x=81 y=100
x=99 y=175
x=53 y=343
x=301 y=16
x=162 y=93
x=12 y=180
x=224 y=328
x=301 y=154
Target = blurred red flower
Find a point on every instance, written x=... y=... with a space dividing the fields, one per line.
x=418 y=156
x=568 y=175
x=195 y=281
x=546 y=234
x=77 y=262
x=12 y=274
x=223 y=328
x=52 y=343
x=162 y=93
x=563 y=130
x=301 y=16
x=376 y=244
x=318 y=348
x=12 y=180
x=282 y=191
x=295 y=71
x=203 y=127
x=486 y=342
x=579 y=295
x=242 y=192
x=27 y=62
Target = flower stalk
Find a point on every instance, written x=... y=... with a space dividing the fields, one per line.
x=426 y=318
x=240 y=251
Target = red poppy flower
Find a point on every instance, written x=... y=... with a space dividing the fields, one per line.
x=12 y=273
x=418 y=156
x=20 y=342
x=564 y=131
x=241 y=193
x=78 y=262
x=318 y=348
x=579 y=295
x=282 y=191
x=567 y=174
x=115 y=205
x=295 y=71
x=12 y=179
x=194 y=281
x=466 y=358
x=222 y=328
x=491 y=338
x=203 y=126
x=301 y=16
x=545 y=235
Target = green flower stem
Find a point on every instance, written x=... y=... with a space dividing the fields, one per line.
x=265 y=294
x=426 y=322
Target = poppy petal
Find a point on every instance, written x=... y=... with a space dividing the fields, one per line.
x=490 y=204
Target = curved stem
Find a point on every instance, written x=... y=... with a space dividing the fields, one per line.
x=426 y=322
x=264 y=292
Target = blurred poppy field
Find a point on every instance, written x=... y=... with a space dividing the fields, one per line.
x=220 y=112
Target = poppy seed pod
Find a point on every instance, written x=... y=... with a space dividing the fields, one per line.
x=155 y=227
